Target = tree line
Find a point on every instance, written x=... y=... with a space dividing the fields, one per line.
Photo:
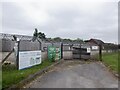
x=42 y=36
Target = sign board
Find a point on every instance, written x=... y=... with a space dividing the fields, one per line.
x=51 y=52
x=94 y=47
x=58 y=54
x=54 y=53
x=29 y=58
x=88 y=50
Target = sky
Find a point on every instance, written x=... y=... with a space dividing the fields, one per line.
x=84 y=19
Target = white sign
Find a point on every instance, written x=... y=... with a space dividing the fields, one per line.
x=88 y=50
x=94 y=47
x=29 y=58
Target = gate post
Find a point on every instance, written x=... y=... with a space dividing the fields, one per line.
x=80 y=50
x=17 y=58
x=61 y=50
x=100 y=52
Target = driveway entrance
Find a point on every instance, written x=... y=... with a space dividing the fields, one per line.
x=76 y=74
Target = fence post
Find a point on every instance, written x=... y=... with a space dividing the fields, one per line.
x=100 y=52
x=17 y=58
x=80 y=50
x=61 y=50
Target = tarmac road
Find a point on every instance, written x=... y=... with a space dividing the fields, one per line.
x=85 y=75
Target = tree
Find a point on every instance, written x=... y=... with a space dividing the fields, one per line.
x=57 y=39
x=39 y=34
x=35 y=32
x=67 y=40
x=78 y=40
x=35 y=35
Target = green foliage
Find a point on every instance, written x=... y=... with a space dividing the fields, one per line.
x=78 y=40
x=10 y=75
x=35 y=32
x=109 y=46
x=39 y=34
x=58 y=39
x=67 y=40
x=111 y=60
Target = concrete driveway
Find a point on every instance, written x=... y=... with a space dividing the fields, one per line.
x=76 y=75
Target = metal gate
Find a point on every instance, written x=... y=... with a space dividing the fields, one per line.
x=81 y=53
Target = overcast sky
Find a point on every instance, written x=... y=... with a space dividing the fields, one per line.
x=63 y=18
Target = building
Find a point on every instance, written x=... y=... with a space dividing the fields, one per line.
x=94 y=43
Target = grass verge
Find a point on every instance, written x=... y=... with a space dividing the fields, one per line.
x=110 y=60
x=11 y=76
